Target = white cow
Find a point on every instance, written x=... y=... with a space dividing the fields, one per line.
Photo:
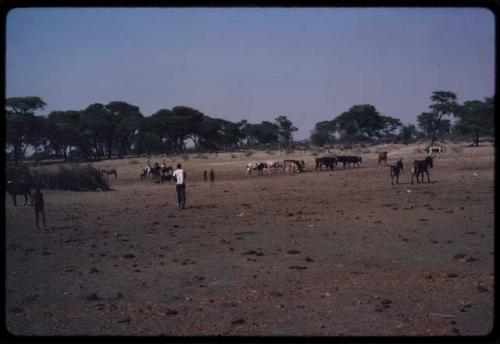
x=274 y=164
x=259 y=166
x=435 y=150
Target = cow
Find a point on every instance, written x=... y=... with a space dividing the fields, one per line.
x=329 y=162
x=435 y=150
x=259 y=167
x=420 y=167
x=274 y=164
x=349 y=160
x=395 y=170
x=19 y=188
x=294 y=165
x=382 y=158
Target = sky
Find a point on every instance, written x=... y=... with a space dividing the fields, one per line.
x=309 y=64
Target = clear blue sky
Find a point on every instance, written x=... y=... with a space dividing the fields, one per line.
x=254 y=64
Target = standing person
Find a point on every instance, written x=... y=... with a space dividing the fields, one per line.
x=39 y=205
x=179 y=176
x=205 y=175
x=212 y=177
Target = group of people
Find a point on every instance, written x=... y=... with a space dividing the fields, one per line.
x=179 y=176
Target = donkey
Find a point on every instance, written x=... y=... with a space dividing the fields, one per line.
x=395 y=170
x=420 y=167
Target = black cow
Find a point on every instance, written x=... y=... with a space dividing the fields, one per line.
x=395 y=170
x=420 y=167
x=19 y=188
x=354 y=160
x=326 y=161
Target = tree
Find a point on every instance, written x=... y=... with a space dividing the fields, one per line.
x=64 y=130
x=126 y=119
x=475 y=119
x=390 y=125
x=359 y=123
x=323 y=133
x=21 y=124
x=433 y=123
x=285 y=130
x=408 y=133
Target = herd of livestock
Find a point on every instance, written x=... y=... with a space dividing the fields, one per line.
x=163 y=173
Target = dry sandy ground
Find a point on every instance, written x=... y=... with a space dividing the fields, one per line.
x=339 y=253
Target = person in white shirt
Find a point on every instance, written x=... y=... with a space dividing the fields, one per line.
x=179 y=176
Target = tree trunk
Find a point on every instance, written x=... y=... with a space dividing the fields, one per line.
x=477 y=138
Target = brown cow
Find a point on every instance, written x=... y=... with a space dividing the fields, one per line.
x=293 y=165
x=382 y=157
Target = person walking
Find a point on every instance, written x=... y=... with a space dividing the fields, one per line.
x=39 y=206
x=212 y=177
x=179 y=176
x=205 y=175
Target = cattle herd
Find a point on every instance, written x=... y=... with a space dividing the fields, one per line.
x=161 y=172
x=420 y=167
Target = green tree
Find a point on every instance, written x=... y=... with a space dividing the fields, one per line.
x=285 y=130
x=390 y=125
x=475 y=118
x=359 y=123
x=64 y=130
x=21 y=123
x=433 y=123
x=408 y=133
x=323 y=133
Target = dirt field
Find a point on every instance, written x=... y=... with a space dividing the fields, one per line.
x=339 y=253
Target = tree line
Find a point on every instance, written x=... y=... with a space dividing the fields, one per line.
x=118 y=128
x=364 y=124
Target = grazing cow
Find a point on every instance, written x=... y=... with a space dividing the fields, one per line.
x=294 y=165
x=420 y=167
x=435 y=150
x=19 y=188
x=329 y=162
x=349 y=160
x=382 y=157
x=110 y=171
x=395 y=170
x=259 y=167
x=274 y=164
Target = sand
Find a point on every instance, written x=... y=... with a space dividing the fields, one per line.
x=340 y=253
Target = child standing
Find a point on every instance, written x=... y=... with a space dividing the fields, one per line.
x=212 y=177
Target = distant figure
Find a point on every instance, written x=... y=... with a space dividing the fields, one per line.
x=212 y=177
x=205 y=175
x=179 y=176
x=39 y=206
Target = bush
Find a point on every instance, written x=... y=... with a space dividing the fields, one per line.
x=201 y=156
x=73 y=177
x=185 y=157
x=248 y=153
x=270 y=152
x=233 y=156
x=134 y=162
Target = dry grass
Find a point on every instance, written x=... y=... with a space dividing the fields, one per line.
x=74 y=178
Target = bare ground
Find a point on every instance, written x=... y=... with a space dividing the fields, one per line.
x=315 y=254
